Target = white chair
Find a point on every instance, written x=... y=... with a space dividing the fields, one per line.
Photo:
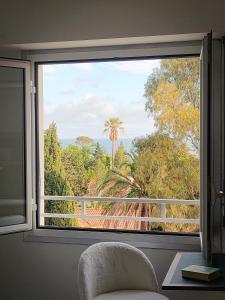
x=116 y=271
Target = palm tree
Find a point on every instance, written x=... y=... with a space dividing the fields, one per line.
x=113 y=126
x=126 y=185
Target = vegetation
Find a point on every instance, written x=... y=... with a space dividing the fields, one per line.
x=55 y=179
x=164 y=164
x=158 y=168
x=84 y=141
x=173 y=94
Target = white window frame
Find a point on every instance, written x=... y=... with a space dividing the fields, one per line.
x=79 y=236
x=25 y=65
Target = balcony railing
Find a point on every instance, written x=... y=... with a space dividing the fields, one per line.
x=84 y=205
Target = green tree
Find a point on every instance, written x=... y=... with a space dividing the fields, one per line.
x=88 y=158
x=98 y=153
x=159 y=168
x=173 y=98
x=123 y=183
x=98 y=171
x=166 y=168
x=85 y=141
x=121 y=159
x=113 y=126
x=55 y=178
x=97 y=177
x=76 y=174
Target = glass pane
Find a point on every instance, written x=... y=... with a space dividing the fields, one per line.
x=125 y=136
x=12 y=152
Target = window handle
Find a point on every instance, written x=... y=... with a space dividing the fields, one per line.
x=220 y=194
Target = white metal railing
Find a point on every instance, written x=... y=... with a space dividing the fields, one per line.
x=85 y=216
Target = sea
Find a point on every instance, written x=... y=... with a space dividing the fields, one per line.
x=104 y=143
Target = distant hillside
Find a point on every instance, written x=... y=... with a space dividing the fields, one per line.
x=104 y=143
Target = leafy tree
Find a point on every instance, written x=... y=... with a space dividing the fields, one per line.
x=165 y=168
x=97 y=177
x=88 y=158
x=121 y=158
x=113 y=126
x=98 y=153
x=120 y=184
x=76 y=174
x=173 y=98
x=159 y=168
x=85 y=141
x=98 y=170
x=55 y=178
x=53 y=164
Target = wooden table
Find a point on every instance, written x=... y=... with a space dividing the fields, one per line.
x=175 y=281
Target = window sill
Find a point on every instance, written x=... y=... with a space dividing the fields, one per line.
x=151 y=241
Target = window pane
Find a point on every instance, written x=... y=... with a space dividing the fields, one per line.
x=12 y=153
x=126 y=132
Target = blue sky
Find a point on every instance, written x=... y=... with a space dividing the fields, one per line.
x=80 y=97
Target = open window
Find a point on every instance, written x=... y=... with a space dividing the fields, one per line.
x=119 y=144
x=15 y=146
x=68 y=207
x=212 y=146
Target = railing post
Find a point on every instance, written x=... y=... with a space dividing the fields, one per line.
x=83 y=208
x=163 y=210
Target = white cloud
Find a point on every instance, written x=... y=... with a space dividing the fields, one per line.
x=137 y=66
x=82 y=113
x=86 y=116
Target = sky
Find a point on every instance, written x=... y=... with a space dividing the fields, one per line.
x=80 y=97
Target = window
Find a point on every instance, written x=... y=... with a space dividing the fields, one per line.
x=15 y=152
x=120 y=144
x=133 y=98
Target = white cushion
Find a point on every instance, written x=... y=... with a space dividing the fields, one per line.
x=131 y=295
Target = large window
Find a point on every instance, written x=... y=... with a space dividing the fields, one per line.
x=119 y=144
x=111 y=143
x=15 y=150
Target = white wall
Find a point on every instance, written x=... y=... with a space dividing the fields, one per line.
x=32 y=21
x=45 y=271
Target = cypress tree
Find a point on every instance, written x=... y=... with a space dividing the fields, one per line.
x=55 y=179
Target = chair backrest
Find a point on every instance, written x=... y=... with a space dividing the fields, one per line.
x=112 y=266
